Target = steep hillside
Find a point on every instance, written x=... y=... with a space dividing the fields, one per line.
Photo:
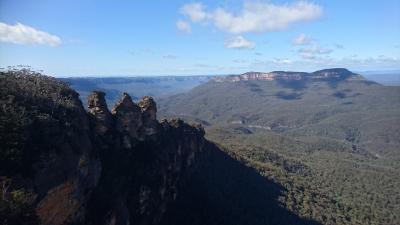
x=48 y=164
x=299 y=107
x=224 y=190
x=326 y=180
x=61 y=164
x=330 y=132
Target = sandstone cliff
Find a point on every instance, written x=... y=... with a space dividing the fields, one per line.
x=143 y=161
x=335 y=74
x=63 y=165
x=60 y=164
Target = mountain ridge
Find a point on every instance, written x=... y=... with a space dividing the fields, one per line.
x=324 y=74
x=334 y=136
x=63 y=165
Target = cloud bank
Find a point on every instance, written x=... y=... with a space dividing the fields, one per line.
x=23 y=34
x=256 y=17
x=239 y=42
x=314 y=52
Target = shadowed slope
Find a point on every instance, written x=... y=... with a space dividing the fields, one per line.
x=224 y=191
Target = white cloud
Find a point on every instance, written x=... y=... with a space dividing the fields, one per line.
x=239 y=42
x=255 y=16
x=361 y=63
x=314 y=52
x=302 y=39
x=183 y=26
x=23 y=34
x=311 y=49
x=195 y=11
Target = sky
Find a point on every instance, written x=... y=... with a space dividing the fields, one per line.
x=174 y=37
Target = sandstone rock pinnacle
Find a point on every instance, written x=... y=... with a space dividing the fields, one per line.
x=128 y=116
x=148 y=107
x=149 y=113
x=98 y=108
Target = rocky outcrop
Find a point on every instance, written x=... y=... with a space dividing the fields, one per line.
x=62 y=165
x=128 y=120
x=48 y=164
x=149 y=112
x=148 y=107
x=336 y=74
x=149 y=159
x=135 y=121
x=97 y=107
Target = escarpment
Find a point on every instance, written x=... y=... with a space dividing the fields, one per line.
x=60 y=164
x=48 y=164
x=335 y=74
x=143 y=162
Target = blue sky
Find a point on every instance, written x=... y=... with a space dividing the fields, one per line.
x=118 y=38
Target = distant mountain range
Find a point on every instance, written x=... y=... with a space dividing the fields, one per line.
x=136 y=86
x=330 y=137
x=164 y=86
x=62 y=165
x=327 y=74
x=271 y=148
x=331 y=132
x=389 y=78
x=290 y=102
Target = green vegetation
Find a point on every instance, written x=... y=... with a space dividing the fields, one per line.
x=16 y=206
x=324 y=180
x=334 y=148
x=224 y=191
x=29 y=100
x=286 y=153
x=35 y=118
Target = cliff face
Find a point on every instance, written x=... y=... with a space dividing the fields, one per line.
x=335 y=74
x=143 y=161
x=48 y=164
x=60 y=164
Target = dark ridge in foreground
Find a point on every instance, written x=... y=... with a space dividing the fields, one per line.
x=60 y=164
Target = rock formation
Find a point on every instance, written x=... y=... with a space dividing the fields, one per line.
x=149 y=111
x=97 y=107
x=62 y=165
x=128 y=119
x=148 y=157
x=48 y=164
